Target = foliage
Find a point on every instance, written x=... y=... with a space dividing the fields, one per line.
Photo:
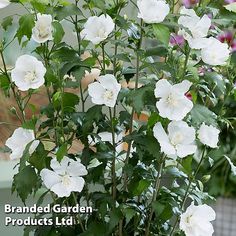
x=139 y=190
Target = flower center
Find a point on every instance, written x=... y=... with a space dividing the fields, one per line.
x=30 y=76
x=108 y=95
x=101 y=33
x=66 y=180
x=171 y=100
x=176 y=139
x=188 y=219
x=43 y=30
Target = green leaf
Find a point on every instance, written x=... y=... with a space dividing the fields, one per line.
x=62 y=151
x=217 y=80
x=26 y=24
x=30 y=124
x=187 y=165
x=58 y=32
x=65 y=54
x=157 y=51
x=7 y=21
x=39 y=158
x=129 y=214
x=167 y=212
x=158 y=207
x=25 y=182
x=95 y=229
x=140 y=97
x=141 y=186
x=4 y=82
x=162 y=33
x=65 y=100
x=233 y=58
x=200 y=114
x=65 y=11
x=115 y=217
x=39 y=5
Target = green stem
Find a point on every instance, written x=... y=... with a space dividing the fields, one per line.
x=133 y=110
x=155 y=195
x=16 y=96
x=185 y=63
x=82 y=97
x=113 y=168
x=77 y=215
x=188 y=190
x=77 y=28
x=103 y=58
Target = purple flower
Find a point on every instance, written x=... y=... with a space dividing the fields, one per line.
x=190 y=3
x=226 y=36
x=176 y=39
x=229 y=1
x=233 y=46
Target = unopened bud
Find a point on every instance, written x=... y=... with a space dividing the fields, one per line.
x=206 y=178
x=13 y=110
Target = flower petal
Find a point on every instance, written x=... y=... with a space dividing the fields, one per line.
x=185 y=150
x=49 y=178
x=163 y=88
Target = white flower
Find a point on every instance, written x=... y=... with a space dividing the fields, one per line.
x=178 y=142
x=215 y=53
x=69 y=77
x=197 y=26
x=89 y=77
x=97 y=29
x=19 y=140
x=208 y=135
x=105 y=91
x=65 y=177
x=42 y=31
x=196 y=221
x=153 y=11
x=28 y=73
x=173 y=103
x=4 y=3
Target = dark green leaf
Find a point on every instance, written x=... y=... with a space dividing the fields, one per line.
x=65 y=11
x=200 y=114
x=58 y=32
x=7 y=21
x=62 y=151
x=25 y=182
x=26 y=24
x=162 y=33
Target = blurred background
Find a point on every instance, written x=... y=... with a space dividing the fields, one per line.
x=222 y=184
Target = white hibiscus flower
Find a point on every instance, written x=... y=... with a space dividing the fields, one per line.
x=209 y=135
x=215 y=53
x=97 y=29
x=28 y=73
x=173 y=103
x=105 y=91
x=179 y=142
x=19 y=140
x=153 y=11
x=42 y=32
x=90 y=77
x=65 y=177
x=4 y=3
x=197 y=26
x=197 y=220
